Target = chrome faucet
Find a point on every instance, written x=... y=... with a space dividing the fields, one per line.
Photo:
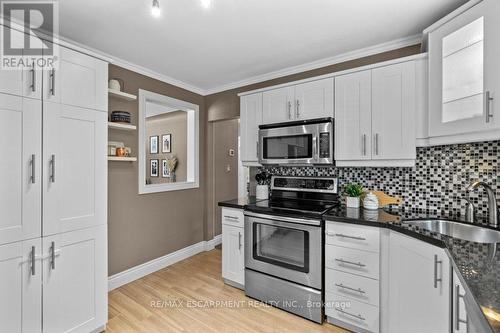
x=492 y=201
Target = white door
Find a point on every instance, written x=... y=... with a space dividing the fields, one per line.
x=21 y=287
x=278 y=105
x=419 y=292
x=75 y=168
x=314 y=99
x=393 y=112
x=75 y=281
x=353 y=116
x=20 y=168
x=250 y=119
x=463 y=70
x=233 y=262
x=79 y=80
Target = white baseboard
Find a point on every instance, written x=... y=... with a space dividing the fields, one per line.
x=154 y=265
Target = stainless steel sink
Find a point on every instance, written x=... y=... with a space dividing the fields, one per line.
x=459 y=230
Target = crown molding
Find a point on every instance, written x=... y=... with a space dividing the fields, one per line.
x=351 y=55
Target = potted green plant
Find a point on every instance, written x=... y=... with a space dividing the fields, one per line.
x=353 y=192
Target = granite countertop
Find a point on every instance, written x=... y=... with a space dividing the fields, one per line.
x=239 y=203
x=477 y=264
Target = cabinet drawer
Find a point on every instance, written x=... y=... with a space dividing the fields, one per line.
x=233 y=217
x=352 y=312
x=352 y=261
x=353 y=236
x=353 y=286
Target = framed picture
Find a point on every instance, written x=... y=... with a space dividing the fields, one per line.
x=165 y=172
x=166 y=140
x=154 y=168
x=153 y=145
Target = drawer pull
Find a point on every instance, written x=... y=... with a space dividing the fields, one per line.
x=349 y=262
x=350 y=314
x=351 y=237
x=230 y=217
x=359 y=290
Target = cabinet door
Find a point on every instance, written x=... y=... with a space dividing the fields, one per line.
x=79 y=80
x=20 y=168
x=463 y=70
x=314 y=99
x=233 y=262
x=250 y=119
x=393 y=112
x=75 y=281
x=353 y=116
x=419 y=281
x=75 y=168
x=278 y=105
x=21 y=287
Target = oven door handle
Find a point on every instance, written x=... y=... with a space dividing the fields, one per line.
x=285 y=219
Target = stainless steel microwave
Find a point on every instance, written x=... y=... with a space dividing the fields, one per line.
x=298 y=142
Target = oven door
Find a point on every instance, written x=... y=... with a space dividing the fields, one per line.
x=284 y=247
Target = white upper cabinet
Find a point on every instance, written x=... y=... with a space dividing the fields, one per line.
x=250 y=119
x=375 y=116
x=74 y=162
x=353 y=116
x=75 y=281
x=303 y=101
x=419 y=292
x=20 y=168
x=393 y=112
x=314 y=99
x=278 y=105
x=80 y=80
x=464 y=85
x=21 y=287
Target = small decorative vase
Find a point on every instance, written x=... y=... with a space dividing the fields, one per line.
x=352 y=202
x=172 y=176
x=262 y=192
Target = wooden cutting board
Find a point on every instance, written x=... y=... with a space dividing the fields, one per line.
x=384 y=199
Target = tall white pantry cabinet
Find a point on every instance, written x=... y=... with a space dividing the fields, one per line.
x=53 y=197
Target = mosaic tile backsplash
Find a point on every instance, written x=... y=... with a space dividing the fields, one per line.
x=436 y=184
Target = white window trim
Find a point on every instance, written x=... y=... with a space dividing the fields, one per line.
x=193 y=143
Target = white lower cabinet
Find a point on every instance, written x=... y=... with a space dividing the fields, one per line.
x=418 y=286
x=233 y=247
x=459 y=321
x=21 y=287
x=75 y=281
x=352 y=262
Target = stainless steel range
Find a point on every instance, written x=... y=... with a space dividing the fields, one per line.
x=284 y=244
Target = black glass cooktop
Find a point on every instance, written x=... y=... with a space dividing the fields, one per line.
x=292 y=206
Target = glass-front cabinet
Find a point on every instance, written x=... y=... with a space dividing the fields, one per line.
x=464 y=79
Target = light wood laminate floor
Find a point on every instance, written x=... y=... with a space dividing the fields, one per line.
x=183 y=298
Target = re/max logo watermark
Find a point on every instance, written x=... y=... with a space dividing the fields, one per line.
x=27 y=34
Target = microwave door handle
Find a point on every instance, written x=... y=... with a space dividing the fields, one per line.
x=315 y=147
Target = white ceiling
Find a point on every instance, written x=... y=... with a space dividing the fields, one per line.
x=236 y=40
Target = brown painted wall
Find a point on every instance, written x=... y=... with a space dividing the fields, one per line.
x=226 y=104
x=148 y=226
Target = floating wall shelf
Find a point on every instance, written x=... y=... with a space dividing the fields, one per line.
x=121 y=95
x=122 y=159
x=122 y=126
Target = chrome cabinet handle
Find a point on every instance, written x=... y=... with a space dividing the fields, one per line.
x=258 y=153
x=350 y=314
x=53 y=255
x=297 y=111
x=364 y=144
x=289 y=110
x=239 y=240
x=351 y=237
x=359 y=290
x=53 y=82
x=436 y=279
x=33 y=77
x=458 y=321
x=376 y=144
x=230 y=217
x=487 y=104
x=359 y=264
x=32 y=261
x=53 y=168
x=33 y=169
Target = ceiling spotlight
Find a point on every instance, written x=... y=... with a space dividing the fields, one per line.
x=206 y=3
x=155 y=10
